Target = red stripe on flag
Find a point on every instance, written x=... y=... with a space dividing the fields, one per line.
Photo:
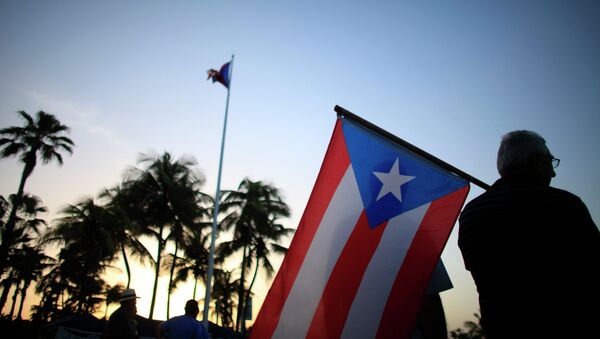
x=337 y=297
x=400 y=313
x=332 y=171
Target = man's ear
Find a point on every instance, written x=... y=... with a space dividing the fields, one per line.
x=538 y=162
x=541 y=168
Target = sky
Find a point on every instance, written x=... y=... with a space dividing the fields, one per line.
x=451 y=77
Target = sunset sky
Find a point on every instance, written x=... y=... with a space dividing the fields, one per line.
x=451 y=77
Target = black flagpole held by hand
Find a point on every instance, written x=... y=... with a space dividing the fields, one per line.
x=345 y=114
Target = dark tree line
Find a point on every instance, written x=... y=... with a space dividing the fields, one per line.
x=160 y=199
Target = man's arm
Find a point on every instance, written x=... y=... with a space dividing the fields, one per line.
x=111 y=329
x=201 y=333
x=161 y=329
x=158 y=332
x=432 y=318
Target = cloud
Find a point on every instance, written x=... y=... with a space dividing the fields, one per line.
x=80 y=116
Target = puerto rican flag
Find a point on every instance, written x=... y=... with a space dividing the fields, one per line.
x=372 y=232
x=223 y=75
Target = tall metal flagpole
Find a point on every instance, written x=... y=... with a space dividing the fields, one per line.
x=211 y=260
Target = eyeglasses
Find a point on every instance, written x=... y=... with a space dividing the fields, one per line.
x=555 y=161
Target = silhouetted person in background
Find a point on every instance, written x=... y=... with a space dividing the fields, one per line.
x=184 y=326
x=431 y=319
x=533 y=250
x=122 y=323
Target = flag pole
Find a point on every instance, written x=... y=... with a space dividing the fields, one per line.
x=341 y=112
x=211 y=256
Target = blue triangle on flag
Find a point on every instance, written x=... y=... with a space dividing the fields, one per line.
x=371 y=153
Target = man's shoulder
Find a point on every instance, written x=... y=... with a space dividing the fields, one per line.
x=116 y=314
x=560 y=193
x=183 y=319
x=509 y=197
x=497 y=192
x=176 y=319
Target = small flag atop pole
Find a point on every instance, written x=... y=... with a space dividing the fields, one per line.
x=223 y=76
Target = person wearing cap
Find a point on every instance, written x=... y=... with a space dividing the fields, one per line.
x=183 y=326
x=122 y=323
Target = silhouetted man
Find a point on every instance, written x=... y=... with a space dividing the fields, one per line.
x=184 y=326
x=122 y=323
x=533 y=250
x=431 y=319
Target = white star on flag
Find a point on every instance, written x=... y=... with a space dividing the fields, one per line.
x=392 y=181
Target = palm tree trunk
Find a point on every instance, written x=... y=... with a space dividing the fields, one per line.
x=82 y=298
x=23 y=294
x=171 y=279
x=14 y=301
x=62 y=300
x=241 y=292
x=195 y=285
x=248 y=293
x=6 y=284
x=7 y=234
x=126 y=264
x=157 y=270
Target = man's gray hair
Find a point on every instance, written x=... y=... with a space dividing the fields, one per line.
x=516 y=149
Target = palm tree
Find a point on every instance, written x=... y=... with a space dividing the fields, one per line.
x=222 y=294
x=14 y=300
x=125 y=231
x=194 y=245
x=52 y=288
x=42 y=137
x=8 y=280
x=179 y=233
x=111 y=296
x=194 y=263
x=168 y=197
x=7 y=283
x=85 y=233
x=176 y=235
x=26 y=220
x=253 y=210
x=266 y=243
x=474 y=330
x=29 y=265
x=26 y=225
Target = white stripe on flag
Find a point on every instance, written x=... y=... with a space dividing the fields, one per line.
x=370 y=300
x=336 y=226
